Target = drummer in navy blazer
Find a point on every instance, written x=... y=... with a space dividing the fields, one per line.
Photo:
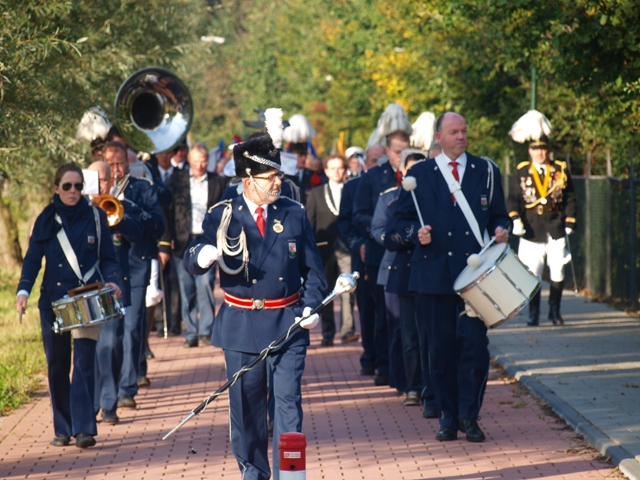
x=89 y=238
x=458 y=353
x=271 y=273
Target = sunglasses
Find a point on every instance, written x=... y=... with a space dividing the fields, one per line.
x=67 y=186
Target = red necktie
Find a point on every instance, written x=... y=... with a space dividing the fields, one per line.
x=398 y=178
x=456 y=176
x=260 y=220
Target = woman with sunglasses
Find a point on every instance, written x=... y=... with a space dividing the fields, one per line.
x=89 y=238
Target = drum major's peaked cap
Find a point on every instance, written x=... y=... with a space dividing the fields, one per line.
x=256 y=155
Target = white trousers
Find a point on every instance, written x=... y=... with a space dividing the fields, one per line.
x=554 y=252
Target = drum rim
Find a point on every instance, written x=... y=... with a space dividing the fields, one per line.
x=485 y=274
x=75 y=298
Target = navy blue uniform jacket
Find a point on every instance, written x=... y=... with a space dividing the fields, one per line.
x=435 y=267
x=280 y=265
x=58 y=274
x=373 y=183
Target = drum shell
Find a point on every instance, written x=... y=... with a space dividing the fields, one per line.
x=501 y=291
x=85 y=310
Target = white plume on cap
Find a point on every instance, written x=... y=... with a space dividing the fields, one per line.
x=299 y=130
x=94 y=124
x=394 y=118
x=423 y=131
x=530 y=126
x=273 y=122
x=351 y=151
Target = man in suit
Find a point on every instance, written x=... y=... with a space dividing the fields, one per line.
x=143 y=194
x=194 y=191
x=272 y=276
x=305 y=178
x=323 y=208
x=374 y=182
x=458 y=353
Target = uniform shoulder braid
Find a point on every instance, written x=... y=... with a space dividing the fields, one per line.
x=290 y=200
x=523 y=164
x=220 y=204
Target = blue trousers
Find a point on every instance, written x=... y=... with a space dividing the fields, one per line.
x=397 y=375
x=458 y=354
x=198 y=304
x=375 y=295
x=71 y=400
x=109 y=364
x=248 y=407
x=366 y=312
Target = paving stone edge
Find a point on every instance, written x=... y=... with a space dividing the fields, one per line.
x=595 y=437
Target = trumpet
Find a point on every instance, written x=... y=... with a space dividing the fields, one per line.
x=112 y=207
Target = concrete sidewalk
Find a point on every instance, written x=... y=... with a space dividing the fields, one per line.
x=587 y=371
x=354 y=429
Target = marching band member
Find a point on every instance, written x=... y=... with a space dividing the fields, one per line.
x=109 y=348
x=458 y=353
x=542 y=204
x=143 y=194
x=75 y=241
x=271 y=273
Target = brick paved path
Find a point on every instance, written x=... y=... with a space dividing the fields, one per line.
x=354 y=430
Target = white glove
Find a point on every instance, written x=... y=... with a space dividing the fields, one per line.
x=568 y=230
x=518 y=227
x=310 y=322
x=207 y=256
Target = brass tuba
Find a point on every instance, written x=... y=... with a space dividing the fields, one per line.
x=112 y=207
x=153 y=110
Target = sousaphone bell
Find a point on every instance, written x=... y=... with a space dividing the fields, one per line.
x=153 y=110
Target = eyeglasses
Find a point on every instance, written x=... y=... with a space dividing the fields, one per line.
x=272 y=177
x=67 y=186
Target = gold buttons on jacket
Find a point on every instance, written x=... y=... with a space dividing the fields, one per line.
x=254 y=281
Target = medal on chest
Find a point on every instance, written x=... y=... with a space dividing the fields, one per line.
x=277 y=226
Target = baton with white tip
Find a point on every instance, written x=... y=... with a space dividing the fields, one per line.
x=409 y=184
x=346 y=283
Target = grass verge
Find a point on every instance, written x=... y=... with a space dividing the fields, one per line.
x=23 y=367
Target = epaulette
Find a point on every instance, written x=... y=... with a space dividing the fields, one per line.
x=561 y=163
x=222 y=202
x=389 y=190
x=145 y=179
x=523 y=164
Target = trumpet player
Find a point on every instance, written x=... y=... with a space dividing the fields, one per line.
x=141 y=193
x=126 y=229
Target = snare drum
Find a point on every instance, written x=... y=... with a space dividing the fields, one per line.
x=85 y=310
x=499 y=287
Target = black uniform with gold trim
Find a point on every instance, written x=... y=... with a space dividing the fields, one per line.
x=544 y=201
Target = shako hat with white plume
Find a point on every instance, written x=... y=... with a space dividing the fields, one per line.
x=393 y=119
x=261 y=153
x=298 y=133
x=533 y=127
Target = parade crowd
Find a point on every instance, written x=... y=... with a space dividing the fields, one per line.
x=278 y=225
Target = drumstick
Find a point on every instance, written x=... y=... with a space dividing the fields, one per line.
x=322 y=244
x=410 y=184
x=20 y=317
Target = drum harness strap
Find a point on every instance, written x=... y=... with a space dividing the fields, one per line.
x=70 y=255
x=456 y=190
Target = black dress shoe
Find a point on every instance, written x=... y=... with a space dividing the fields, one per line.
x=143 y=381
x=368 y=371
x=354 y=337
x=205 y=339
x=84 y=440
x=61 y=441
x=447 y=434
x=126 y=401
x=430 y=410
x=109 y=417
x=193 y=342
x=327 y=342
x=150 y=354
x=472 y=429
x=381 y=380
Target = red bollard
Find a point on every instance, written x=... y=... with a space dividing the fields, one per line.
x=293 y=460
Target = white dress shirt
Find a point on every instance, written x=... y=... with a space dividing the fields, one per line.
x=199 y=191
x=253 y=207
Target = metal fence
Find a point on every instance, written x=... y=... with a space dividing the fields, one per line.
x=604 y=246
